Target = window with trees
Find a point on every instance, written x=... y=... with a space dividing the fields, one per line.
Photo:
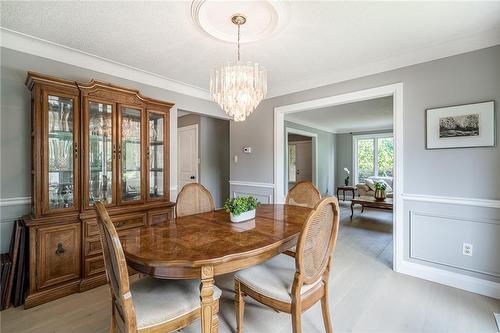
x=373 y=156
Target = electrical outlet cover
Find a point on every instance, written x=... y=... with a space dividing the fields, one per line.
x=467 y=249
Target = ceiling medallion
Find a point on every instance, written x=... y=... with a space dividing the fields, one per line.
x=238 y=87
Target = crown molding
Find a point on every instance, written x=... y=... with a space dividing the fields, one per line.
x=454 y=47
x=39 y=47
x=308 y=124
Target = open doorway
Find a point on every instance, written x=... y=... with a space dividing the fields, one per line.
x=365 y=152
x=300 y=156
x=203 y=154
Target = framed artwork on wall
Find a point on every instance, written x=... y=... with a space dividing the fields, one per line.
x=461 y=126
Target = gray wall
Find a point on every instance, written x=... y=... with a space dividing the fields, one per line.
x=466 y=173
x=343 y=155
x=213 y=152
x=15 y=123
x=326 y=147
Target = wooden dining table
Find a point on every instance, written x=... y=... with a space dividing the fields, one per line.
x=205 y=245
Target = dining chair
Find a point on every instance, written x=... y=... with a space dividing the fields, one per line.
x=148 y=304
x=193 y=199
x=304 y=193
x=293 y=285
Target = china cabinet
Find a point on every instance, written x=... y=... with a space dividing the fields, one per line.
x=90 y=142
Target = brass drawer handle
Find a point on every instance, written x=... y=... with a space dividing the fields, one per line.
x=121 y=224
x=60 y=249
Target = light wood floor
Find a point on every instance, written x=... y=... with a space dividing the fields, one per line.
x=366 y=296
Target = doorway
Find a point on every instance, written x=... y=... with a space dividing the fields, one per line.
x=300 y=157
x=394 y=90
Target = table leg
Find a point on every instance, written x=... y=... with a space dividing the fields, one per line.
x=338 y=194
x=343 y=195
x=352 y=209
x=362 y=208
x=208 y=306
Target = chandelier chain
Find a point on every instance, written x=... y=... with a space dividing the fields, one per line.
x=239 y=25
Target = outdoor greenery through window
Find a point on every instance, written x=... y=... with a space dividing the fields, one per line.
x=374 y=156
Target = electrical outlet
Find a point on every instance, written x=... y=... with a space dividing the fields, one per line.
x=467 y=249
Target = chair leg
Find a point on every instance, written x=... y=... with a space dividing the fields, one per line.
x=113 y=328
x=296 y=325
x=240 y=306
x=325 y=309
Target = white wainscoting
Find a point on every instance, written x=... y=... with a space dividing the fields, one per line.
x=481 y=218
x=251 y=184
x=19 y=201
x=264 y=199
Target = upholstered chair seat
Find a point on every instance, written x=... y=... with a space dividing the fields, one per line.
x=292 y=284
x=159 y=301
x=273 y=278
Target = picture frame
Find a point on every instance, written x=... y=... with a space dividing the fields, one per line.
x=461 y=126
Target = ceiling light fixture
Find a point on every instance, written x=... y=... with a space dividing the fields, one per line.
x=238 y=87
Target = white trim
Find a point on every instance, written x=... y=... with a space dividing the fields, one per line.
x=465 y=282
x=19 y=201
x=355 y=139
x=314 y=136
x=174 y=188
x=476 y=202
x=395 y=90
x=252 y=184
x=42 y=48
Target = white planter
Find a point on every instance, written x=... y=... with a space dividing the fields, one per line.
x=243 y=216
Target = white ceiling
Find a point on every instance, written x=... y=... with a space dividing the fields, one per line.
x=373 y=114
x=322 y=42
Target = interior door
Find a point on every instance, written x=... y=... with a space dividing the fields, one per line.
x=304 y=161
x=187 y=155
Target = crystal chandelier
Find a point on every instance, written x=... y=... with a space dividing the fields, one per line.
x=238 y=87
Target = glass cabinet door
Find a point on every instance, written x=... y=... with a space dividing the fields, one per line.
x=60 y=147
x=156 y=143
x=129 y=154
x=100 y=153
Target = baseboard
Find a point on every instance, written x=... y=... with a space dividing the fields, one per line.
x=452 y=279
x=93 y=282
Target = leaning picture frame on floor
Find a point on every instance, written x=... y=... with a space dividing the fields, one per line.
x=461 y=126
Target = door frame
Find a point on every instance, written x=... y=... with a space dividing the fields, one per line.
x=396 y=91
x=314 y=136
x=182 y=129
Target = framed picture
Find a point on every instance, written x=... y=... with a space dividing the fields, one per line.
x=461 y=126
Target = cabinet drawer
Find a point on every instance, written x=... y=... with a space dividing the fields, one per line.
x=94 y=266
x=92 y=246
x=58 y=254
x=121 y=223
x=160 y=216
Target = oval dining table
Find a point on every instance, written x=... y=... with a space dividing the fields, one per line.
x=205 y=245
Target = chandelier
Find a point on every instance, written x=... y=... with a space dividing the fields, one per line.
x=238 y=87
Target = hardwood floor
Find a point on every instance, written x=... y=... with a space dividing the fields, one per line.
x=366 y=296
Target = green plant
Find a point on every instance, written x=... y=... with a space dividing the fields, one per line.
x=239 y=205
x=380 y=186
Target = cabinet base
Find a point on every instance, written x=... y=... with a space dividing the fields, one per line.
x=92 y=282
x=51 y=294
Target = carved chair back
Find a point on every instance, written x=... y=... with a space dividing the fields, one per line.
x=193 y=199
x=304 y=193
x=117 y=272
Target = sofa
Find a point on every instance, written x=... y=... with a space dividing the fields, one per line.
x=368 y=187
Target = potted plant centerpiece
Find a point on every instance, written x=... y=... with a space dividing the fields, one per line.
x=241 y=208
x=380 y=191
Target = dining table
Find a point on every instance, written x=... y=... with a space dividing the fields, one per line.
x=205 y=245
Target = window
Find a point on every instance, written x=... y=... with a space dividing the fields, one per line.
x=373 y=156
